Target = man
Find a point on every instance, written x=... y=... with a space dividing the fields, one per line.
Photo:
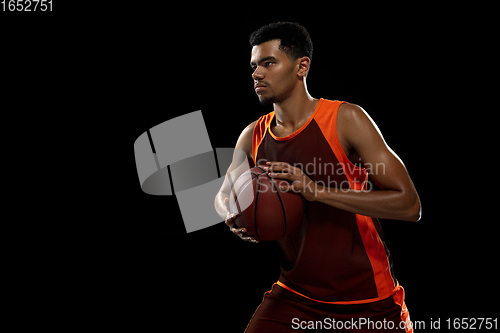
x=337 y=272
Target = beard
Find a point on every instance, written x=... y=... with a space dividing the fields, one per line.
x=266 y=100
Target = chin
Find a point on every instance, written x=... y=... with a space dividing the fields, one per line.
x=266 y=100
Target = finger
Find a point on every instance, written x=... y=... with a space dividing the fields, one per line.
x=240 y=232
x=250 y=239
x=280 y=169
x=246 y=237
x=230 y=220
x=276 y=163
x=280 y=175
x=283 y=168
x=277 y=166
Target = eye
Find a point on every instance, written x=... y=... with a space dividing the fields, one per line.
x=268 y=63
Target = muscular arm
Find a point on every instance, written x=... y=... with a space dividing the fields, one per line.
x=242 y=153
x=398 y=198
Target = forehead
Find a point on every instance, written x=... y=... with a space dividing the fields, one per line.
x=267 y=49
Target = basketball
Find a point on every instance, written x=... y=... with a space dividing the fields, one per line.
x=266 y=212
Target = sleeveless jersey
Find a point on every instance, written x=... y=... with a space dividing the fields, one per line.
x=335 y=256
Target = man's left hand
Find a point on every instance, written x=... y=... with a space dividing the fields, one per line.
x=300 y=182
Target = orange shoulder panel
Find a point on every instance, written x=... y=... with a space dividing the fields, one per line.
x=327 y=122
x=326 y=119
x=259 y=132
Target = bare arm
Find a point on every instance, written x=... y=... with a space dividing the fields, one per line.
x=242 y=152
x=398 y=198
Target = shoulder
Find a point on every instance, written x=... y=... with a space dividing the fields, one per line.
x=344 y=111
x=352 y=115
x=355 y=124
x=245 y=140
x=248 y=131
x=350 y=112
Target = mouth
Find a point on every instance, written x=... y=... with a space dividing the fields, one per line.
x=259 y=87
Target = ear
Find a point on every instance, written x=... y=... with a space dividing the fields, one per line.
x=304 y=64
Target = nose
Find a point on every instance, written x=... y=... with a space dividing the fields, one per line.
x=258 y=74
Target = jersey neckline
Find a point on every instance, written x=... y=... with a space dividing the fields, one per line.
x=297 y=132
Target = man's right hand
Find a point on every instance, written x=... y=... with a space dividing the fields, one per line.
x=240 y=232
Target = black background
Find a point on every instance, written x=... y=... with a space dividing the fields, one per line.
x=100 y=77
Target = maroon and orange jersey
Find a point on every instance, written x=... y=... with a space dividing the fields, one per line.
x=335 y=256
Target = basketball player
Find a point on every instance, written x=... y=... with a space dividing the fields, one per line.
x=337 y=272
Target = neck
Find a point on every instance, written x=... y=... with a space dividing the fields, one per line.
x=294 y=111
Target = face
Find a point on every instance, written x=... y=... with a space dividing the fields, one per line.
x=274 y=73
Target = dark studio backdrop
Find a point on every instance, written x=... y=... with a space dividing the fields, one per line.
x=397 y=69
x=121 y=72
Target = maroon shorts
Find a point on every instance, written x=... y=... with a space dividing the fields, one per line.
x=283 y=311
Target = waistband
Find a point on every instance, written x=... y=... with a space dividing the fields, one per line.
x=362 y=301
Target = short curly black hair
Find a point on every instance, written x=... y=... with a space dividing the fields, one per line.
x=295 y=40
